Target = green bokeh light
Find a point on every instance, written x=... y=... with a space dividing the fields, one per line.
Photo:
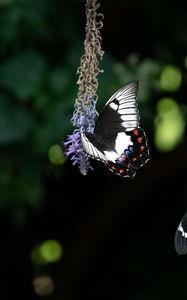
x=170 y=79
x=169 y=125
x=51 y=251
x=56 y=155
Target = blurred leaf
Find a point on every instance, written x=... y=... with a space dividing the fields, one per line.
x=53 y=129
x=56 y=155
x=15 y=123
x=9 y=27
x=169 y=124
x=60 y=80
x=22 y=74
x=171 y=78
x=125 y=73
x=148 y=74
x=5 y=2
x=42 y=100
x=35 y=17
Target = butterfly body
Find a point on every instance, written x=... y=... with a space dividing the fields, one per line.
x=117 y=140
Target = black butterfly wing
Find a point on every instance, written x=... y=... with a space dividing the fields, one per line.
x=181 y=236
x=92 y=147
x=120 y=114
x=135 y=155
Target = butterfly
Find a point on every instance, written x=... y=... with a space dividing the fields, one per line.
x=117 y=139
x=181 y=236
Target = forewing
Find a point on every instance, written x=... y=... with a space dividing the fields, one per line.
x=119 y=114
x=181 y=236
x=127 y=109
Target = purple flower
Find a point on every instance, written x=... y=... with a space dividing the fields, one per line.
x=85 y=111
x=75 y=151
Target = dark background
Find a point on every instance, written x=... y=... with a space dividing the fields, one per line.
x=117 y=234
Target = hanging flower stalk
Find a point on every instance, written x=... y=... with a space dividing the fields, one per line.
x=85 y=103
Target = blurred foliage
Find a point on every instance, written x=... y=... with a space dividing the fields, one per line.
x=41 y=42
x=170 y=125
x=49 y=251
x=56 y=155
x=43 y=285
x=40 y=48
x=170 y=78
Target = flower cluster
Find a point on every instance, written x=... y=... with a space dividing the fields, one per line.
x=76 y=153
x=85 y=104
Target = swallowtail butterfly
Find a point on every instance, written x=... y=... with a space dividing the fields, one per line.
x=181 y=236
x=117 y=140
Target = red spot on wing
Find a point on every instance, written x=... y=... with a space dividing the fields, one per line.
x=135 y=132
x=113 y=168
x=140 y=140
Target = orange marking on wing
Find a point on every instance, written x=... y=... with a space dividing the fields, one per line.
x=140 y=155
x=113 y=168
x=142 y=148
x=140 y=140
x=134 y=159
x=121 y=171
x=135 y=132
x=127 y=170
